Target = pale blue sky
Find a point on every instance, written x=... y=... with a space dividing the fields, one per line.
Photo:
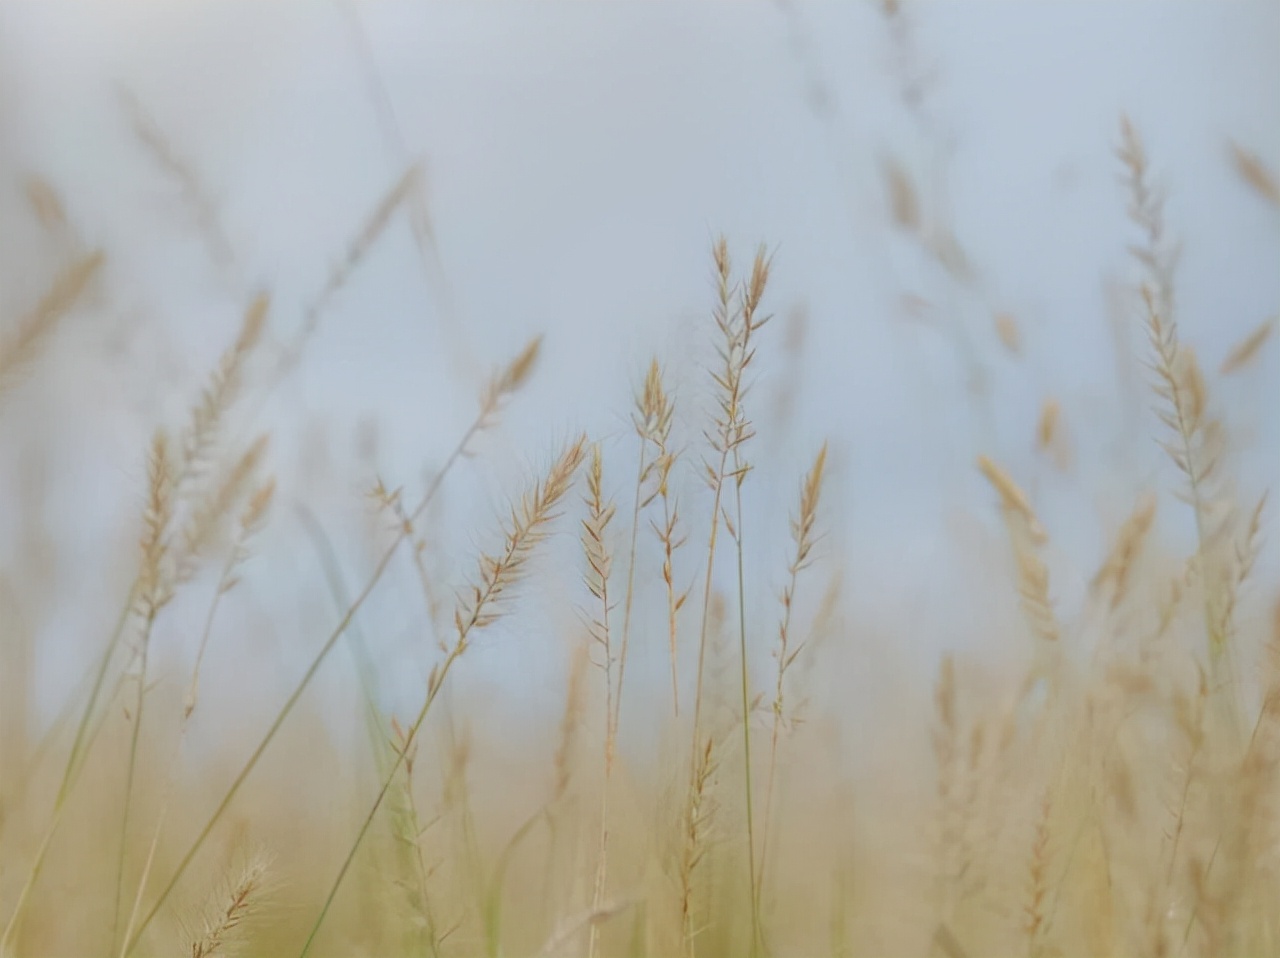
x=580 y=158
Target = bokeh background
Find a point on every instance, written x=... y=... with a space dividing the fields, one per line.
x=938 y=187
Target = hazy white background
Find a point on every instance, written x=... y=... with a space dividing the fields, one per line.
x=579 y=160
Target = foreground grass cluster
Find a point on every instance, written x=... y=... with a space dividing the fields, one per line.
x=1117 y=797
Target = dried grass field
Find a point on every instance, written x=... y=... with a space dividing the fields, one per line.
x=714 y=750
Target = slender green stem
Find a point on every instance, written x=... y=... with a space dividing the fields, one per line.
x=388 y=778
x=79 y=746
x=130 y=775
x=746 y=719
x=301 y=687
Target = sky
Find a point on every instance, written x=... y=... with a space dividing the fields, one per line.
x=578 y=160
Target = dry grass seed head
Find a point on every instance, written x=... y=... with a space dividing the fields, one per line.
x=1248 y=348
x=480 y=605
x=1256 y=173
x=220 y=394
x=233 y=906
x=21 y=347
x=1124 y=552
x=154 y=577
x=208 y=512
x=904 y=202
x=45 y=203
x=1012 y=498
x=1008 y=332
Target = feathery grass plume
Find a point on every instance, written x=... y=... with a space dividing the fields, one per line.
x=207 y=513
x=904 y=202
x=737 y=318
x=419 y=214
x=479 y=606
x=1248 y=348
x=1008 y=332
x=1052 y=438
x=155 y=590
x=652 y=421
x=804 y=536
x=1197 y=445
x=505 y=383
x=392 y=501
x=654 y=413
x=1255 y=172
x=252 y=519
x=1117 y=568
x=45 y=203
x=340 y=274
x=1038 y=882
x=232 y=909
x=1026 y=535
x=178 y=168
x=21 y=346
x=221 y=393
x=1047 y=427
x=165 y=566
x=595 y=547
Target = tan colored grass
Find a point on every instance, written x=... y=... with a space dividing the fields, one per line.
x=599 y=559
x=1118 y=567
x=804 y=536
x=232 y=908
x=1246 y=351
x=1251 y=168
x=19 y=347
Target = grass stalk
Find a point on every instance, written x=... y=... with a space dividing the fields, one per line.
x=502 y=386
x=497 y=573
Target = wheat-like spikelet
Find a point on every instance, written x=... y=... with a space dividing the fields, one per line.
x=481 y=603
x=178 y=168
x=737 y=318
x=1118 y=567
x=207 y=512
x=154 y=586
x=508 y=380
x=45 y=203
x=595 y=548
x=234 y=906
x=252 y=519
x=1026 y=535
x=156 y=583
x=1198 y=440
x=904 y=201
x=221 y=392
x=1034 y=910
x=1254 y=171
x=358 y=249
x=1008 y=332
x=803 y=535
x=478 y=607
x=21 y=346
x=1246 y=351
x=653 y=417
